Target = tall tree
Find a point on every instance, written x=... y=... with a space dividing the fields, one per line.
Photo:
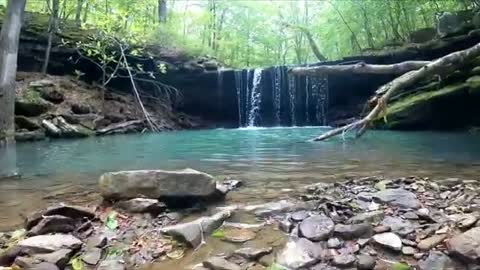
x=78 y=12
x=9 y=40
x=162 y=11
x=52 y=30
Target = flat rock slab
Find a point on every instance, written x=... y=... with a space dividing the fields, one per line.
x=60 y=258
x=398 y=197
x=298 y=253
x=349 y=232
x=388 y=240
x=437 y=260
x=50 y=243
x=252 y=253
x=218 y=263
x=370 y=217
x=53 y=224
x=192 y=232
x=316 y=228
x=466 y=246
x=365 y=262
x=71 y=211
x=141 y=205
x=398 y=225
x=431 y=242
x=155 y=184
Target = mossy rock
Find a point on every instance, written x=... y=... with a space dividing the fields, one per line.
x=30 y=104
x=474 y=85
x=423 y=109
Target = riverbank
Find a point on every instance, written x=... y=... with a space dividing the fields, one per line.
x=65 y=107
x=369 y=223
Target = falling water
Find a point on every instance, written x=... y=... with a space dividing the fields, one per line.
x=219 y=89
x=320 y=95
x=277 y=90
x=239 y=85
x=255 y=98
x=292 y=90
x=307 y=93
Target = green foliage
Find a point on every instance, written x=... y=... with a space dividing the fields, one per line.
x=400 y=266
x=251 y=33
x=111 y=221
x=77 y=263
x=219 y=233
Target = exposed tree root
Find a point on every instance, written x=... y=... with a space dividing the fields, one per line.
x=441 y=65
x=360 y=68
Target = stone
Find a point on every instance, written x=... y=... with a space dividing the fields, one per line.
x=388 y=240
x=80 y=109
x=237 y=235
x=92 y=256
x=41 y=83
x=398 y=197
x=275 y=208
x=30 y=136
x=52 y=95
x=74 y=212
x=334 y=243
x=316 y=228
x=409 y=251
x=53 y=224
x=466 y=221
x=410 y=243
x=155 y=184
x=399 y=226
x=365 y=262
x=142 y=205
x=285 y=225
x=381 y=229
x=111 y=264
x=191 y=232
x=466 y=246
x=22 y=122
x=252 y=253
x=299 y=216
x=363 y=241
x=349 y=232
x=410 y=215
x=44 y=266
x=60 y=257
x=218 y=263
x=98 y=241
x=344 y=260
x=31 y=107
x=50 y=243
x=367 y=217
x=436 y=260
x=299 y=253
x=431 y=242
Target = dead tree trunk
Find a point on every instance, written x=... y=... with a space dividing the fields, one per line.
x=52 y=30
x=442 y=65
x=9 y=39
x=360 y=68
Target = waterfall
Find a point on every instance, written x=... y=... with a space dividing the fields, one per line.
x=307 y=85
x=8 y=159
x=255 y=98
x=239 y=85
x=219 y=89
x=320 y=95
x=277 y=93
x=292 y=90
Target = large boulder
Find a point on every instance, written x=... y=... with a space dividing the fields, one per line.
x=466 y=246
x=50 y=243
x=398 y=197
x=156 y=184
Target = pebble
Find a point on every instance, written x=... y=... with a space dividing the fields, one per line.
x=429 y=243
x=388 y=240
x=344 y=261
x=408 y=250
x=365 y=262
x=334 y=243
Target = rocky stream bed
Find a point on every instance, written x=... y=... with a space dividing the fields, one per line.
x=169 y=220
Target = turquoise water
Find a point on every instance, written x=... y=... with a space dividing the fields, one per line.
x=266 y=159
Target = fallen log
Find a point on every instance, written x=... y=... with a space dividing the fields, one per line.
x=439 y=66
x=120 y=127
x=360 y=68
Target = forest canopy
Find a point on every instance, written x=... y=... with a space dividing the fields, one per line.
x=253 y=33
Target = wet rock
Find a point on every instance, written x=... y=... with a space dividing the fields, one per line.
x=236 y=235
x=30 y=136
x=365 y=262
x=285 y=225
x=388 y=240
x=430 y=242
x=50 y=243
x=53 y=224
x=74 y=212
x=466 y=221
x=92 y=256
x=436 y=260
x=267 y=260
x=344 y=261
x=398 y=197
x=316 y=228
x=44 y=266
x=275 y=208
x=399 y=226
x=465 y=246
x=31 y=107
x=409 y=251
x=232 y=184
x=218 y=263
x=80 y=109
x=22 y=122
x=334 y=243
x=368 y=217
x=191 y=232
x=142 y=205
x=60 y=258
x=363 y=241
x=155 y=184
x=299 y=216
x=98 y=241
x=354 y=231
x=409 y=243
x=298 y=253
x=252 y=253
x=111 y=264
x=381 y=229
x=410 y=215
x=52 y=95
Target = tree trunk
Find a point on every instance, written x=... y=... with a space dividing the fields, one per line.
x=9 y=40
x=162 y=11
x=52 y=30
x=78 y=13
x=360 y=68
x=85 y=12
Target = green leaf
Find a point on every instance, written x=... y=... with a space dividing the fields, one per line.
x=111 y=221
x=114 y=252
x=76 y=263
x=219 y=233
x=401 y=266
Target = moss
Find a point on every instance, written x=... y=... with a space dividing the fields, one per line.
x=31 y=96
x=474 y=85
